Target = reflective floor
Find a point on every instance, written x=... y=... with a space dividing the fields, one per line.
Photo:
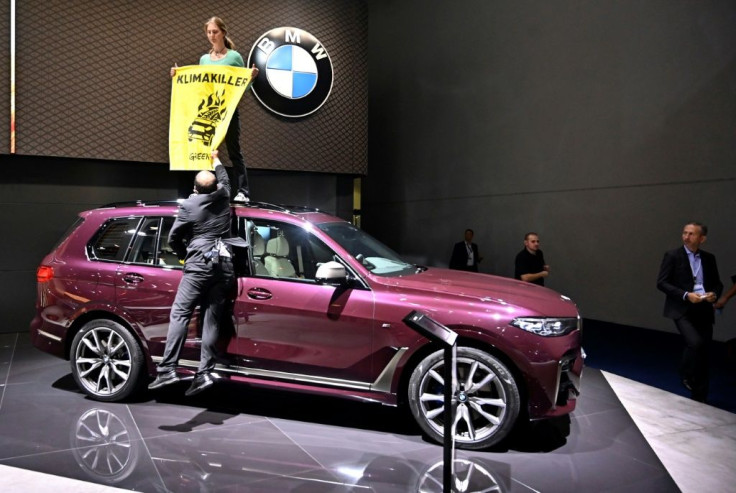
x=241 y=439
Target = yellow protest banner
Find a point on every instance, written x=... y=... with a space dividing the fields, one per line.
x=203 y=99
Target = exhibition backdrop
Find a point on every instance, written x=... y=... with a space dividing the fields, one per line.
x=93 y=96
x=92 y=79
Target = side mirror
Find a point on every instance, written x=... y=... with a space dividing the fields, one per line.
x=332 y=273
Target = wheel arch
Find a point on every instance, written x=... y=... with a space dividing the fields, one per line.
x=97 y=314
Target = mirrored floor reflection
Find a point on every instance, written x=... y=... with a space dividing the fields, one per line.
x=104 y=446
x=108 y=449
x=236 y=438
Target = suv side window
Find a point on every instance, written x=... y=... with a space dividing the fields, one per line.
x=113 y=239
x=144 y=245
x=283 y=250
x=166 y=255
x=151 y=246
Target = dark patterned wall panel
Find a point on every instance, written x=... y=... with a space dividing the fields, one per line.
x=5 y=78
x=93 y=79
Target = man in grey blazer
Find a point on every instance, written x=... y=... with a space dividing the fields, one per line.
x=200 y=234
x=689 y=278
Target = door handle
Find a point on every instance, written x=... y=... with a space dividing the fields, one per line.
x=131 y=278
x=259 y=294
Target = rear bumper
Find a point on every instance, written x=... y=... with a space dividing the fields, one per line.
x=49 y=337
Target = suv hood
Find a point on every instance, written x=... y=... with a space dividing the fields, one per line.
x=471 y=287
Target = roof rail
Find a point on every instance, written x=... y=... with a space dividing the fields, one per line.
x=280 y=208
x=301 y=208
x=138 y=203
x=257 y=205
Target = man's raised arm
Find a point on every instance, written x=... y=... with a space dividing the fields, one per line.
x=223 y=181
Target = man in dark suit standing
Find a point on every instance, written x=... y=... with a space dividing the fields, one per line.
x=465 y=254
x=199 y=234
x=689 y=277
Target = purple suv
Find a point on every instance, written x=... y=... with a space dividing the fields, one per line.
x=319 y=308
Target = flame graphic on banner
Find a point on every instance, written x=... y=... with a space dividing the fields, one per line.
x=203 y=100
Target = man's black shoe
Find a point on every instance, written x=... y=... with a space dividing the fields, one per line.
x=201 y=382
x=163 y=379
x=687 y=384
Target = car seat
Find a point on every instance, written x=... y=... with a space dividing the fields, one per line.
x=276 y=261
x=259 y=249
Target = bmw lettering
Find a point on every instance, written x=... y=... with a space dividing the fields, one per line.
x=295 y=72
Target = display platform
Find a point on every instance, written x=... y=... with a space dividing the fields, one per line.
x=238 y=438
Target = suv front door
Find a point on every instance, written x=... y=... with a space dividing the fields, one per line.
x=292 y=328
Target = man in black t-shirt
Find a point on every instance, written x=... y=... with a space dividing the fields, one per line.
x=529 y=265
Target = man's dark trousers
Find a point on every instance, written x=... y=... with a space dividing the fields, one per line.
x=697 y=332
x=209 y=285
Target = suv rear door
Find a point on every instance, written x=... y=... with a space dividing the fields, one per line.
x=146 y=283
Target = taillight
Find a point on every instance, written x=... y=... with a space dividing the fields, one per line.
x=44 y=273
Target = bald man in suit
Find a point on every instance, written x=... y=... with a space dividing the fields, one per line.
x=200 y=235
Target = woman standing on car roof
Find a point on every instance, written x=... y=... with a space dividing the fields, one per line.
x=223 y=53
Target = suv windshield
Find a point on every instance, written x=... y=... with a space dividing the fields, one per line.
x=374 y=255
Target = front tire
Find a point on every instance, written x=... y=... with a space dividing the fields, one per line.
x=490 y=398
x=107 y=361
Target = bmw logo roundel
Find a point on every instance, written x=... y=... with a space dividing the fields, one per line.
x=295 y=72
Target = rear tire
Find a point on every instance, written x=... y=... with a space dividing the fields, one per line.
x=491 y=398
x=107 y=361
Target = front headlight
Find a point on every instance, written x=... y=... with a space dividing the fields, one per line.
x=546 y=327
